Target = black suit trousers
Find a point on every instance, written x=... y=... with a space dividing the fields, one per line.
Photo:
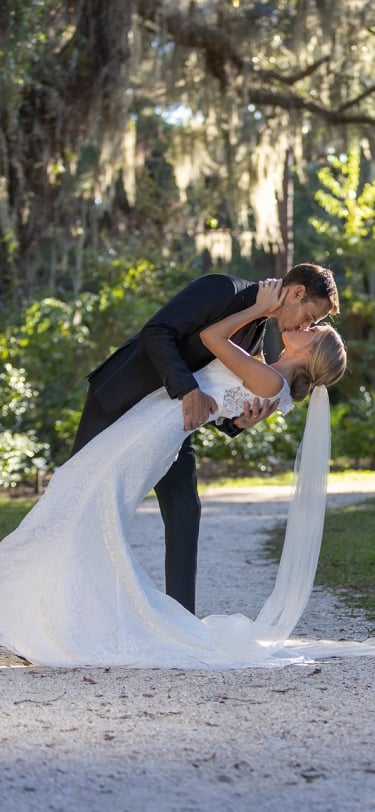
x=179 y=503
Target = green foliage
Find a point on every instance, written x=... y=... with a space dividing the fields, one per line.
x=348 y=233
x=349 y=228
x=25 y=22
x=344 y=200
x=47 y=346
x=270 y=446
x=19 y=449
x=17 y=396
x=45 y=360
x=353 y=429
x=45 y=357
x=21 y=455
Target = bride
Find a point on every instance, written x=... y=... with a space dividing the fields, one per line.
x=73 y=593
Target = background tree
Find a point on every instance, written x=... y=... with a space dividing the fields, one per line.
x=347 y=232
x=141 y=145
x=244 y=83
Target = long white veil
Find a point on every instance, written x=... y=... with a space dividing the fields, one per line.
x=304 y=529
x=297 y=569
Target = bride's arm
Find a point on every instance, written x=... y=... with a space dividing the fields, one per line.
x=261 y=379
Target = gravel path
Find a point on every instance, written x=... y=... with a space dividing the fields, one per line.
x=175 y=741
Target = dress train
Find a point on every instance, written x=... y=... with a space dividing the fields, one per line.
x=73 y=593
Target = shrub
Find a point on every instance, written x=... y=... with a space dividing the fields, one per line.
x=21 y=456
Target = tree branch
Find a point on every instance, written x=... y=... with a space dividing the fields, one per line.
x=218 y=47
x=292 y=78
x=358 y=99
x=293 y=102
x=220 y=50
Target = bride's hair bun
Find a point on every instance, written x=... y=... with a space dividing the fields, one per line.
x=326 y=365
x=300 y=385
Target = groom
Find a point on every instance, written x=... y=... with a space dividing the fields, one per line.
x=167 y=352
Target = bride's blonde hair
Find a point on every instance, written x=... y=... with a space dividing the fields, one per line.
x=326 y=365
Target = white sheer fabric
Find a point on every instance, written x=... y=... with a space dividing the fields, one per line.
x=72 y=592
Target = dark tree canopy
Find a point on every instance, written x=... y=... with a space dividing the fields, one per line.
x=128 y=122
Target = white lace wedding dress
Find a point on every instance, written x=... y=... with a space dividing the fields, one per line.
x=72 y=592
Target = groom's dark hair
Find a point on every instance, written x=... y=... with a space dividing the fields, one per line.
x=318 y=281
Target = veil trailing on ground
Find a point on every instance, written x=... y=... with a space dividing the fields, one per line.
x=303 y=536
x=284 y=607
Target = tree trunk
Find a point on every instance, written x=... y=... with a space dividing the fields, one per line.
x=284 y=258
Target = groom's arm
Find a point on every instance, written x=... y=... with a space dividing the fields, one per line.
x=204 y=301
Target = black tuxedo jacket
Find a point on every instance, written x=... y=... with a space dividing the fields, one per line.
x=168 y=350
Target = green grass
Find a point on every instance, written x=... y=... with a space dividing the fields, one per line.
x=282 y=479
x=347 y=557
x=11 y=513
x=246 y=482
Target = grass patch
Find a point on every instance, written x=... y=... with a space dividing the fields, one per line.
x=11 y=513
x=347 y=557
x=285 y=478
x=246 y=482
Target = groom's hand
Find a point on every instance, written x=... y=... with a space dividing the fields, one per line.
x=197 y=408
x=251 y=416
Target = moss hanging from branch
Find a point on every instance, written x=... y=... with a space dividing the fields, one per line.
x=81 y=75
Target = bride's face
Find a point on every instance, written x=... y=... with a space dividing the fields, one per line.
x=297 y=341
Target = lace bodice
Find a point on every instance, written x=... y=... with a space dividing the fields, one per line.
x=231 y=395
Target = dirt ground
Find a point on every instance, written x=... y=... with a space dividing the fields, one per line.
x=182 y=741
